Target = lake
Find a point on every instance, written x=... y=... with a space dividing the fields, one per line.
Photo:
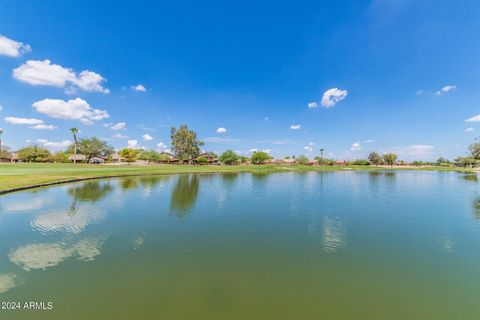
x=315 y=245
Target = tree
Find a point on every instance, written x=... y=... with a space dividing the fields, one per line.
x=474 y=149
x=129 y=154
x=465 y=161
x=260 y=157
x=202 y=160
x=185 y=144
x=149 y=156
x=162 y=157
x=243 y=159
x=5 y=152
x=390 y=158
x=93 y=147
x=360 y=162
x=60 y=157
x=321 y=153
x=229 y=157
x=75 y=143
x=303 y=160
x=34 y=153
x=374 y=158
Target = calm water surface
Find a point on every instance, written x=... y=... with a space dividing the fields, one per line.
x=344 y=245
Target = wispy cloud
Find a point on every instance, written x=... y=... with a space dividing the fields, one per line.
x=295 y=126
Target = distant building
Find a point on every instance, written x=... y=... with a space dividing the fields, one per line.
x=80 y=158
x=171 y=158
x=116 y=158
x=210 y=158
x=9 y=157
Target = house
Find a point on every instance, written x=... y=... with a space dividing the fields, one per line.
x=96 y=160
x=9 y=157
x=169 y=156
x=341 y=162
x=210 y=158
x=80 y=158
x=290 y=162
x=116 y=158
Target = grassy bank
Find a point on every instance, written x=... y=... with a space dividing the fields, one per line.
x=21 y=175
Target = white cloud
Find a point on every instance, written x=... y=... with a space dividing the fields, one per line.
x=356 y=146
x=90 y=81
x=76 y=109
x=147 y=137
x=311 y=143
x=445 y=89
x=1 y=107
x=312 y=105
x=267 y=150
x=132 y=144
x=120 y=136
x=30 y=121
x=54 y=145
x=469 y=129
x=12 y=48
x=253 y=150
x=44 y=127
x=474 y=119
x=161 y=146
x=308 y=148
x=44 y=73
x=414 y=152
x=139 y=87
x=332 y=96
x=295 y=126
x=119 y=126
x=221 y=130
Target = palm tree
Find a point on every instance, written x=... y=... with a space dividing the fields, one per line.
x=321 y=153
x=74 y=132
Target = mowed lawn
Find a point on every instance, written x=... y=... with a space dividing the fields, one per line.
x=19 y=175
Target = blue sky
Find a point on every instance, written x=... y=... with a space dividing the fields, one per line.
x=250 y=68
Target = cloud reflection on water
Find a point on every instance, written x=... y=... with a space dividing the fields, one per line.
x=44 y=255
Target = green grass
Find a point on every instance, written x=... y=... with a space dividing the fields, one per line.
x=21 y=175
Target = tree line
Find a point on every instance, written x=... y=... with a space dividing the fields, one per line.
x=186 y=148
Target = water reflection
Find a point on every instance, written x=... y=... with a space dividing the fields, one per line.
x=470 y=177
x=184 y=194
x=129 y=183
x=334 y=234
x=44 y=255
x=476 y=207
x=149 y=183
x=91 y=191
x=8 y=281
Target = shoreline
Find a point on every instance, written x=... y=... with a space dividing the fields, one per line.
x=26 y=176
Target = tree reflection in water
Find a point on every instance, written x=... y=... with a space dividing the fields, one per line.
x=129 y=183
x=476 y=207
x=184 y=194
x=90 y=191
